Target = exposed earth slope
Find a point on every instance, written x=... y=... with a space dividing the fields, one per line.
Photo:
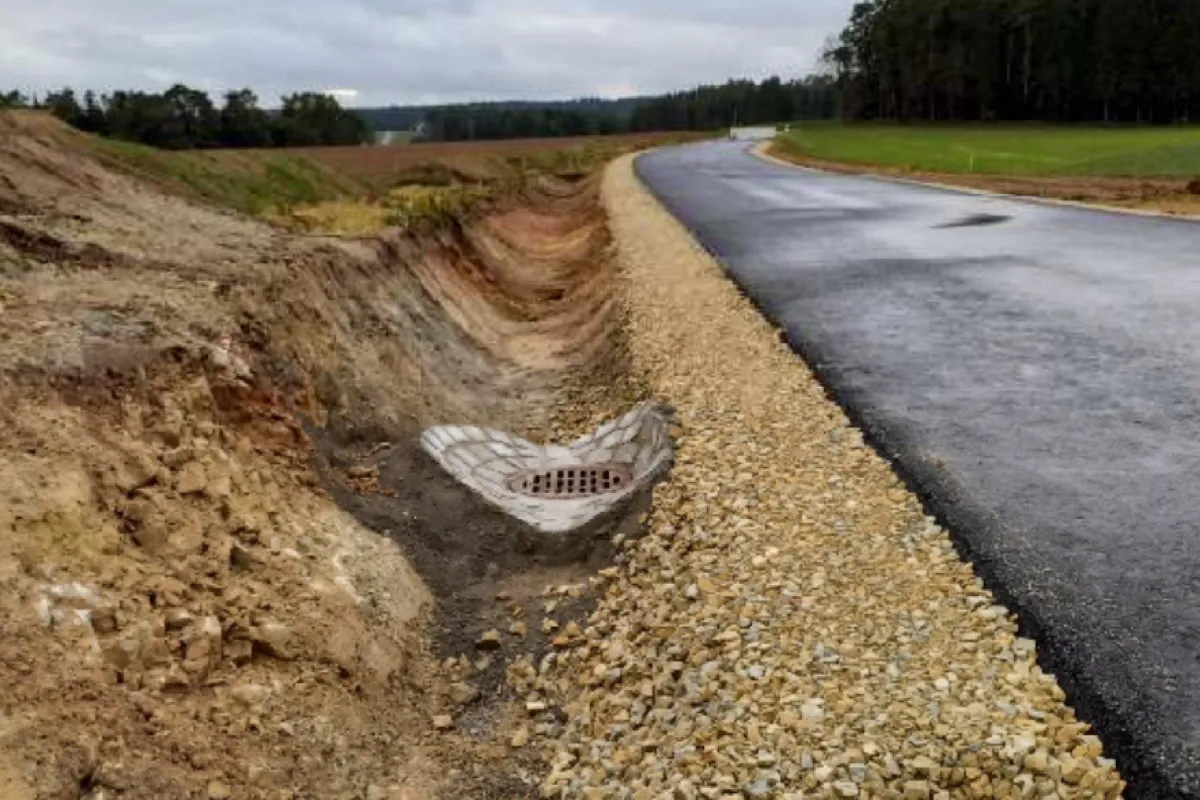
x=183 y=608
x=226 y=571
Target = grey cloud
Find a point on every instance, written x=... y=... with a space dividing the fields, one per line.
x=411 y=51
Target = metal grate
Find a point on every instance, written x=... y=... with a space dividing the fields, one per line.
x=571 y=482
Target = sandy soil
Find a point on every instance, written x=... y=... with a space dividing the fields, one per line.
x=193 y=407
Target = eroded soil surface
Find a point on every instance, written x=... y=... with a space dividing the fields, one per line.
x=195 y=596
x=485 y=567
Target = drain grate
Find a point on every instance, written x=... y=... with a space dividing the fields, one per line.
x=570 y=482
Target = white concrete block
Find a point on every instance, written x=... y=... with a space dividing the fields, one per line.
x=486 y=460
x=627 y=453
x=598 y=456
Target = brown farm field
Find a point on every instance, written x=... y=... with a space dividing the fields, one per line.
x=472 y=158
x=273 y=183
x=290 y=376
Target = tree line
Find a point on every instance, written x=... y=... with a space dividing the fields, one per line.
x=740 y=102
x=588 y=117
x=184 y=118
x=736 y=102
x=1053 y=60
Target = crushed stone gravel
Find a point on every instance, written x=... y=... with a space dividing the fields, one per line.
x=792 y=625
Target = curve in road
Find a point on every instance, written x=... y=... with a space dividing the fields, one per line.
x=1034 y=371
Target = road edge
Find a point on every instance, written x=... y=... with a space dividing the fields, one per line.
x=1140 y=768
x=762 y=152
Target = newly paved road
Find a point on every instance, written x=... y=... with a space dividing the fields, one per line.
x=1035 y=373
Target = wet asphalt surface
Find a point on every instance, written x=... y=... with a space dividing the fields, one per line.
x=1034 y=373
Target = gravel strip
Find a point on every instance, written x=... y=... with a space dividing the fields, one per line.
x=793 y=625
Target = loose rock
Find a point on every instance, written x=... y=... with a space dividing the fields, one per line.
x=792 y=624
x=191 y=479
x=520 y=738
x=274 y=639
x=463 y=693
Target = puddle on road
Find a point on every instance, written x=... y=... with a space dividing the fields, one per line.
x=976 y=220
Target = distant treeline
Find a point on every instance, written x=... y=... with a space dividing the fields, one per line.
x=524 y=120
x=184 y=118
x=506 y=119
x=1068 y=60
x=740 y=103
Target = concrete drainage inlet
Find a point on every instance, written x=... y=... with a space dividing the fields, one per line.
x=559 y=488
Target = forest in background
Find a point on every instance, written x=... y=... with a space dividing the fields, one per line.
x=589 y=115
x=704 y=108
x=1049 y=60
x=182 y=118
x=742 y=102
x=903 y=60
x=185 y=118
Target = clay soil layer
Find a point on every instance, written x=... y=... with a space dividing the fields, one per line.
x=225 y=568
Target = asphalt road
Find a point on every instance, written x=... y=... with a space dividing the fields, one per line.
x=1034 y=372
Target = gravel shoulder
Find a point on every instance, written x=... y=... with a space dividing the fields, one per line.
x=793 y=624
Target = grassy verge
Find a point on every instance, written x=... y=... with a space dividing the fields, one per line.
x=362 y=190
x=256 y=183
x=439 y=193
x=1028 y=150
x=1147 y=169
x=401 y=208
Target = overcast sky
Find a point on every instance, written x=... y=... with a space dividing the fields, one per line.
x=380 y=52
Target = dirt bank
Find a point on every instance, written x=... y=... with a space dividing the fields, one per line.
x=185 y=611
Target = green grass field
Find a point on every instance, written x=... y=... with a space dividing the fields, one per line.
x=253 y=182
x=1004 y=149
x=273 y=181
x=359 y=190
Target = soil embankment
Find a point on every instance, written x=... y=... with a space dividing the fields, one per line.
x=185 y=611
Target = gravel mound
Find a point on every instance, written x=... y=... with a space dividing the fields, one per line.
x=793 y=625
